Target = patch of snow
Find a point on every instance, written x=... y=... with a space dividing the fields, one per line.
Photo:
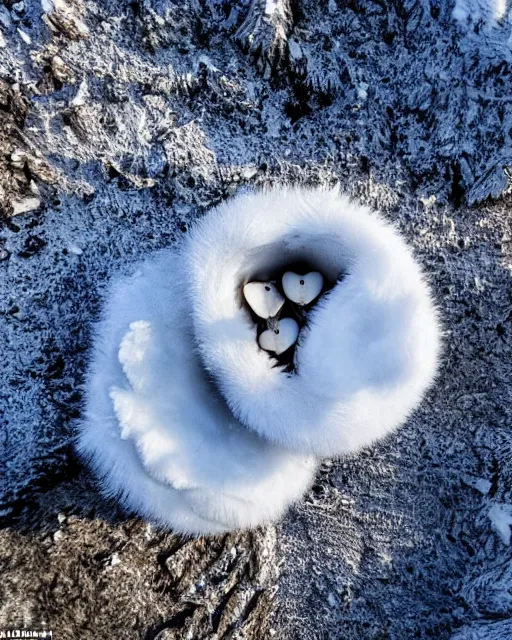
x=480 y=484
x=491 y=11
x=294 y=49
x=362 y=91
x=25 y=205
x=24 y=36
x=75 y=249
x=249 y=172
x=483 y=485
x=331 y=599
x=5 y=17
x=81 y=95
x=501 y=519
x=271 y=6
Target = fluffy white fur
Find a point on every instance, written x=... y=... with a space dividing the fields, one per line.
x=162 y=436
x=371 y=348
x=155 y=429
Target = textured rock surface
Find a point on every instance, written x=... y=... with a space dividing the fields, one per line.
x=120 y=122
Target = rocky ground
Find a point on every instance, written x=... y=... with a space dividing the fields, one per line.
x=122 y=122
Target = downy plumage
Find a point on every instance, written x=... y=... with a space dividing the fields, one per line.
x=191 y=423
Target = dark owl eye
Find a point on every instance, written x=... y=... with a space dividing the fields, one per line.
x=302 y=281
x=267 y=288
x=276 y=331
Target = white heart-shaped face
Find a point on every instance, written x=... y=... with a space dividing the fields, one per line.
x=263 y=298
x=302 y=289
x=281 y=338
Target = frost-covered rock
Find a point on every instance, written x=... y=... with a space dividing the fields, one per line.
x=392 y=542
x=491 y=12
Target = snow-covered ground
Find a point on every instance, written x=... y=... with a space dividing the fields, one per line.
x=126 y=121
